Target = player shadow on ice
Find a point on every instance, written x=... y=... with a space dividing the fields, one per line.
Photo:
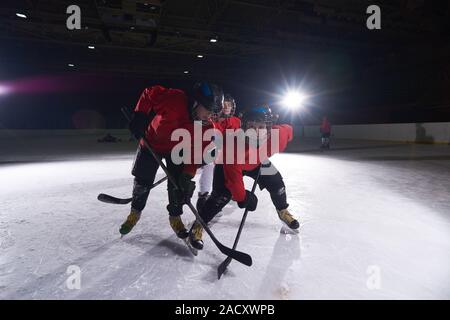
x=147 y=240
x=145 y=276
x=173 y=244
x=276 y=284
x=53 y=284
x=285 y=252
x=50 y=285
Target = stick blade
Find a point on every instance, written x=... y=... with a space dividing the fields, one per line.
x=110 y=199
x=222 y=267
x=242 y=257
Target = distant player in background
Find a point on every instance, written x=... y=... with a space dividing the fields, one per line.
x=226 y=120
x=325 y=131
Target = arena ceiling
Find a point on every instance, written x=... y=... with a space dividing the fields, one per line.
x=397 y=74
x=166 y=38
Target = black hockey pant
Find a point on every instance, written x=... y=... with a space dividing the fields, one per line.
x=144 y=171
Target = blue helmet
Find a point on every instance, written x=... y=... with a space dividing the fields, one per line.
x=258 y=113
x=209 y=95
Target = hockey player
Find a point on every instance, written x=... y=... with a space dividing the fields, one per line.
x=228 y=177
x=325 y=131
x=158 y=113
x=226 y=120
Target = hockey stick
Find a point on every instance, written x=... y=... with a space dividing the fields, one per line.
x=242 y=257
x=110 y=199
x=223 y=266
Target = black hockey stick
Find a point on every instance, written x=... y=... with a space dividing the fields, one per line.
x=237 y=255
x=223 y=266
x=106 y=198
x=110 y=199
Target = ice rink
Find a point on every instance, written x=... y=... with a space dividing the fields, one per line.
x=375 y=224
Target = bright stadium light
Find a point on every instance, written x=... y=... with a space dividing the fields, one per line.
x=4 y=89
x=21 y=15
x=294 y=99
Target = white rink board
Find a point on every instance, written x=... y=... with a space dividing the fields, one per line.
x=438 y=132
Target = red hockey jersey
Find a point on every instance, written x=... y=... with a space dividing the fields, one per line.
x=228 y=123
x=234 y=171
x=171 y=109
x=325 y=127
x=220 y=127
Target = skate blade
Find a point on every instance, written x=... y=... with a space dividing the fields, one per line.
x=190 y=247
x=286 y=230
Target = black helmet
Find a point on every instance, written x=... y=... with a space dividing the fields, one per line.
x=230 y=99
x=209 y=95
x=259 y=113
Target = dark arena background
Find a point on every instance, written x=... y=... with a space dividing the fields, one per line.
x=371 y=194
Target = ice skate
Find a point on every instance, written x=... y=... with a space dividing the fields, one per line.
x=178 y=227
x=195 y=236
x=131 y=221
x=288 y=219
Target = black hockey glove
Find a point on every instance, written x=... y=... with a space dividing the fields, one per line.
x=250 y=202
x=138 y=124
x=187 y=186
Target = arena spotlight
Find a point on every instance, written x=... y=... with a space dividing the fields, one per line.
x=4 y=89
x=294 y=99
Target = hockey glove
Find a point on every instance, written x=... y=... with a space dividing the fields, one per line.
x=138 y=124
x=250 y=202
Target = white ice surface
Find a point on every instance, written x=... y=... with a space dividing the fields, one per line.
x=362 y=205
